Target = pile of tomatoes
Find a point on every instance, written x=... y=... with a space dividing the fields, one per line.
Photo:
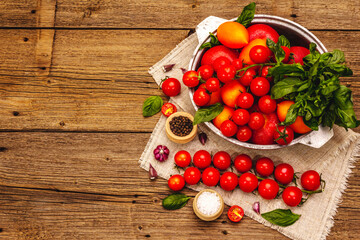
x=227 y=76
x=248 y=181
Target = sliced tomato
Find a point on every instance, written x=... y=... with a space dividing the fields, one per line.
x=168 y=108
x=235 y=213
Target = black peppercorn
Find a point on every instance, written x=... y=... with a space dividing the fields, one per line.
x=181 y=126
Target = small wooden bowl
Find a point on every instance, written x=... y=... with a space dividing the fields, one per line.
x=177 y=139
x=208 y=217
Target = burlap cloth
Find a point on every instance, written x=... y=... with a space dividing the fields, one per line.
x=334 y=160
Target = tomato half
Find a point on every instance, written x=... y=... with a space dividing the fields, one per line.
x=167 y=109
x=235 y=213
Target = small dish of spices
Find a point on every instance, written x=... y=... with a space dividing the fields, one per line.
x=179 y=127
x=208 y=205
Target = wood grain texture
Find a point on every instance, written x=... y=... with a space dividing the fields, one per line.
x=76 y=185
x=174 y=14
x=98 y=80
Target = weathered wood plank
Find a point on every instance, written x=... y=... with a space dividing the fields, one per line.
x=101 y=192
x=173 y=14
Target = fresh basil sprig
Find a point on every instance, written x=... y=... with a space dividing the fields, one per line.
x=214 y=41
x=247 y=15
x=281 y=217
x=276 y=47
x=175 y=201
x=152 y=105
x=208 y=113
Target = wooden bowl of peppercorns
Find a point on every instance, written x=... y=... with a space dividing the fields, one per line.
x=179 y=127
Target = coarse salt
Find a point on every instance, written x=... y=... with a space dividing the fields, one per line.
x=208 y=203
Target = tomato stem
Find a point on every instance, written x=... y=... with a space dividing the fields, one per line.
x=250 y=66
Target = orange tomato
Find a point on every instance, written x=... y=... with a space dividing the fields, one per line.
x=231 y=91
x=298 y=126
x=215 y=97
x=233 y=35
x=245 y=53
x=226 y=114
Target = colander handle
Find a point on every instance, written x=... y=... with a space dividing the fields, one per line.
x=317 y=139
x=209 y=24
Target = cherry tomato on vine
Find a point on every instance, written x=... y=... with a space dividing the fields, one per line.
x=256 y=121
x=210 y=176
x=243 y=163
x=284 y=135
x=264 y=72
x=268 y=189
x=245 y=100
x=248 y=76
x=237 y=63
x=287 y=54
x=201 y=97
x=205 y=71
x=171 y=87
x=292 y=196
x=244 y=134
x=228 y=128
x=264 y=166
x=192 y=175
x=241 y=117
x=226 y=73
x=222 y=160
x=220 y=62
x=260 y=86
x=212 y=84
x=259 y=54
x=228 y=181
x=267 y=104
x=310 y=180
x=176 y=182
x=235 y=213
x=167 y=109
x=191 y=79
x=248 y=182
x=202 y=159
x=182 y=158
x=284 y=173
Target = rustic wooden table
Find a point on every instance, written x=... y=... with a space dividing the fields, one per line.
x=73 y=77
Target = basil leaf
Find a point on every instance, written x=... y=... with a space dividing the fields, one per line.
x=312 y=48
x=208 y=113
x=285 y=87
x=175 y=201
x=290 y=70
x=247 y=15
x=281 y=217
x=345 y=115
x=283 y=41
x=329 y=116
x=152 y=105
x=214 y=41
x=291 y=114
x=334 y=57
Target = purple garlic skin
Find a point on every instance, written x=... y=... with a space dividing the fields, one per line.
x=161 y=153
x=152 y=172
x=256 y=207
x=202 y=138
x=168 y=67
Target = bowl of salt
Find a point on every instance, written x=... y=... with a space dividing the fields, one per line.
x=208 y=205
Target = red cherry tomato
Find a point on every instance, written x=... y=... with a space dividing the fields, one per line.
x=292 y=196
x=284 y=173
x=226 y=73
x=176 y=182
x=310 y=180
x=192 y=175
x=202 y=159
x=220 y=62
x=228 y=181
x=201 y=97
x=248 y=76
x=228 y=128
x=284 y=135
x=191 y=79
x=237 y=63
x=267 y=104
x=244 y=134
x=210 y=176
x=268 y=189
x=222 y=160
x=243 y=163
x=245 y=100
x=205 y=71
x=264 y=166
x=264 y=72
x=256 y=121
x=235 y=213
x=259 y=54
x=182 y=158
x=167 y=109
x=260 y=86
x=248 y=182
x=212 y=84
x=287 y=54
x=241 y=117
x=171 y=87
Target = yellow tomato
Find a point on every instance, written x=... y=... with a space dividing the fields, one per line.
x=245 y=53
x=233 y=35
x=298 y=126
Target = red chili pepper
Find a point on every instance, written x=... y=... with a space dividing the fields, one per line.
x=235 y=213
x=168 y=108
